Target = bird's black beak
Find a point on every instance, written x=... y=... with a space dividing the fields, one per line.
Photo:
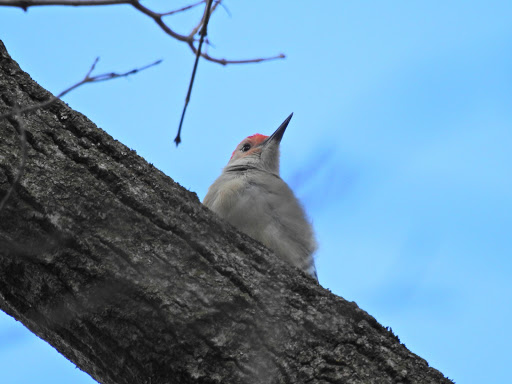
x=278 y=134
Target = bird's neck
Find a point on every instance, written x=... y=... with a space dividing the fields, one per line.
x=237 y=170
x=241 y=168
x=252 y=163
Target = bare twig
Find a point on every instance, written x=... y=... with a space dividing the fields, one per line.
x=185 y=8
x=157 y=17
x=16 y=113
x=87 y=79
x=204 y=21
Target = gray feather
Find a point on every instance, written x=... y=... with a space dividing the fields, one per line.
x=262 y=205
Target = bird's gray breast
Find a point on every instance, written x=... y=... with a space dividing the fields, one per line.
x=263 y=206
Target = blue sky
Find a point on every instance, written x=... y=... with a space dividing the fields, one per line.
x=399 y=148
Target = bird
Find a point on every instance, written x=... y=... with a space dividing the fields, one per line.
x=252 y=197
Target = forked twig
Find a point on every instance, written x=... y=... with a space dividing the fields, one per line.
x=157 y=17
x=87 y=79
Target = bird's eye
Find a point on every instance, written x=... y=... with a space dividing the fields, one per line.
x=245 y=147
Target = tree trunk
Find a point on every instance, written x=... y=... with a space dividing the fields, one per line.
x=132 y=279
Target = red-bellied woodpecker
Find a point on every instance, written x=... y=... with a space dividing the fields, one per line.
x=251 y=196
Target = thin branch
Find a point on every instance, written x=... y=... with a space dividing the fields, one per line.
x=202 y=21
x=207 y=12
x=185 y=8
x=206 y=56
x=224 y=7
x=87 y=79
x=25 y=4
x=226 y=61
x=157 y=17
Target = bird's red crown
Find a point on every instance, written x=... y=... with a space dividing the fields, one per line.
x=254 y=140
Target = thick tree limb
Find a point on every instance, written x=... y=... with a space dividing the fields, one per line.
x=133 y=280
x=17 y=111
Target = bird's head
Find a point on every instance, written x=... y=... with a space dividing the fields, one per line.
x=260 y=151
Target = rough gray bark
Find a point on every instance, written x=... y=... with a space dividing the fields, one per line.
x=132 y=279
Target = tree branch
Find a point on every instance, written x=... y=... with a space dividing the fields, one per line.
x=133 y=280
x=15 y=113
x=182 y=9
x=157 y=17
x=87 y=79
x=204 y=23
